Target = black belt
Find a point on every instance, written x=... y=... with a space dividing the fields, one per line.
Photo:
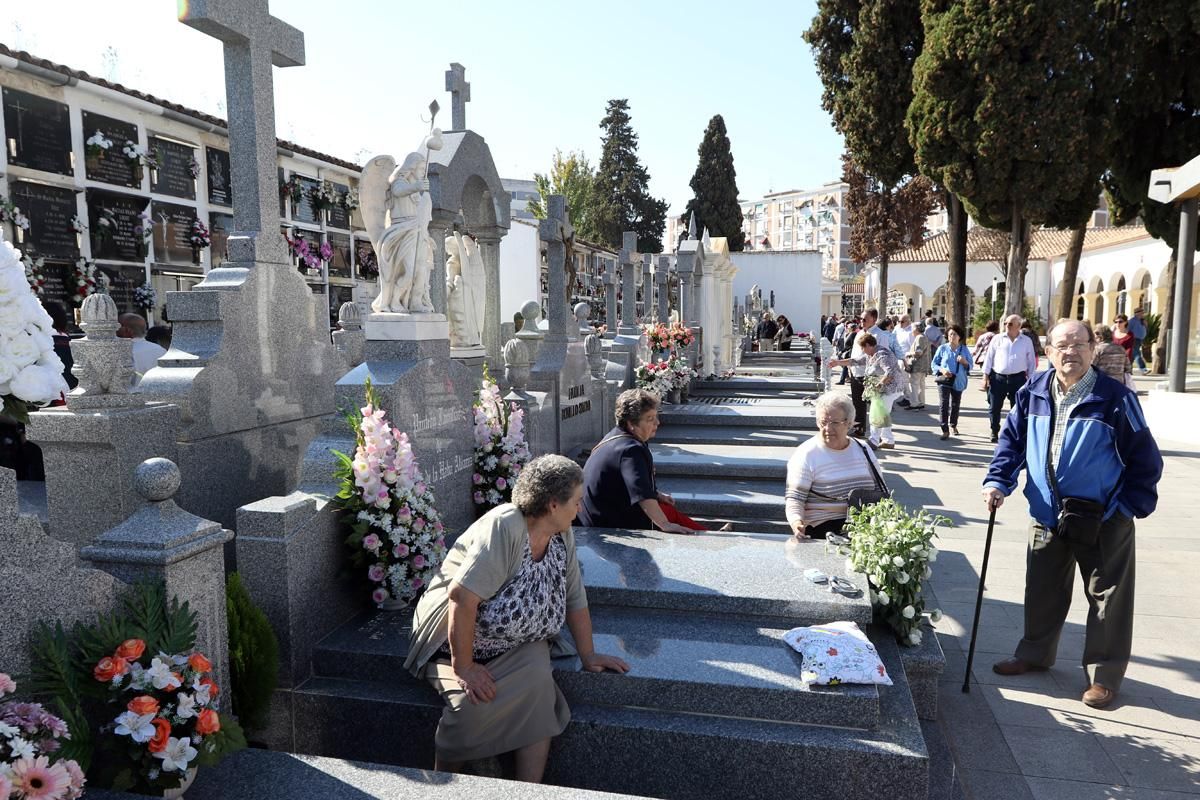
x=1020 y=375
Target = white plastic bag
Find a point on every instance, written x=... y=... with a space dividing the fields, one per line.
x=837 y=652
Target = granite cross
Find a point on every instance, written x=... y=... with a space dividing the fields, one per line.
x=629 y=254
x=610 y=295
x=460 y=95
x=662 y=278
x=254 y=40
x=556 y=231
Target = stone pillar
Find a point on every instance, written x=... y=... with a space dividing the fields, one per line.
x=161 y=542
x=489 y=244
x=662 y=278
x=690 y=252
x=629 y=267
x=349 y=339
x=555 y=230
x=439 y=228
x=1181 y=314
x=647 y=288
x=610 y=297
x=92 y=446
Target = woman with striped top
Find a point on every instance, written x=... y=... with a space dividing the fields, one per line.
x=823 y=471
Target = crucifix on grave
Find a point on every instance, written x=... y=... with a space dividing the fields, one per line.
x=460 y=95
x=629 y=275
x=254 y=41
x=556 y=231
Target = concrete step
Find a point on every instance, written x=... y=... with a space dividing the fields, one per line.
x=756 y=384
x=725 y=666
x=721 y=460
x=765 y=414
x=733 y=435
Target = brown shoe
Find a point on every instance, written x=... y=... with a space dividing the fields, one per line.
x=1015 y=666
x=1098 y=696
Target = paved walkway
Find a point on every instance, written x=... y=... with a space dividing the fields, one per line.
x=1031 y=737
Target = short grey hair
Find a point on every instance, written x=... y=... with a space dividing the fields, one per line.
x=836 y=401
x=1104 y=333
x=632 y=404
x=545 y=480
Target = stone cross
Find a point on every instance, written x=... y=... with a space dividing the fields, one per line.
x=460 y=95
x=662 y=278
x=254 y=40
x=647 y=288
x=610 y=295
x=556 y=231
x=629 y=255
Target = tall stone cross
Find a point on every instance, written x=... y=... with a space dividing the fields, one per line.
x=662 y=278
x=460 y=95
x=254 y=40
x=629 y=267
x=556 y=231
x=647 y=287
x=610 y=295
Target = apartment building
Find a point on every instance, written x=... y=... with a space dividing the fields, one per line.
x=809 y=219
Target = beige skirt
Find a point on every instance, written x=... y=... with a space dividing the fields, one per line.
x=528 y=706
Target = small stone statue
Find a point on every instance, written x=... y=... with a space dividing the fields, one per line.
x=595 y=355
x=397 y=210
x=583 y=313
x=465 y=288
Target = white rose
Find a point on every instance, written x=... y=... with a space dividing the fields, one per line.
x=933 y=553
x=935 y=615
x=39 y=383
x=909 y=612
x=19 y=348
x=13 y=285
x=884 y=599
x=12 y=314
x=7 y=372
x=898 y=561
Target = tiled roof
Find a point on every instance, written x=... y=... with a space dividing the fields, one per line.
x=986 y=244
x=79 y=75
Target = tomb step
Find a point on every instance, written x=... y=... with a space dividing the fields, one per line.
x=725 y=666
x=725 y=460
x=702 y=395
x=750 y=574
x=755 y=384
x=733 y=435
x=765 y=526
x=770 y=414
x=606 y=747
x=733 y=498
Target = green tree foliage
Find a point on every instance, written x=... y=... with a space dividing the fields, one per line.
x=621 y=198
x=984 y=313
x=573 y=177
x=1008 y=115
x=253 y=655
x=715 y=198
x=885 y=219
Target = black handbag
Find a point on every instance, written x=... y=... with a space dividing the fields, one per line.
x=857 y=498
x=948 y=380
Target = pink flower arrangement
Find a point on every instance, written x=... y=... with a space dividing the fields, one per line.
x=29 y=736
x=500 y=447
x=395 y=531
x=658 y=337
x=199 y=237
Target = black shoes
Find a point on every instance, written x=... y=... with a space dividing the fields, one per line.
x=945 y=434
x=995 y=438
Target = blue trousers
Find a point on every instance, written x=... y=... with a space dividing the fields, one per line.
x=999 y=388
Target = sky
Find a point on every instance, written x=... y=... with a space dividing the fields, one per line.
x=541 y=74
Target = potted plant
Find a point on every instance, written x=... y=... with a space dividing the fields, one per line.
x=253 y=656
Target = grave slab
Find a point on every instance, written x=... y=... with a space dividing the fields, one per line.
x=733 y=435
x=742 y=498
x=724 y=460
x=779 y=414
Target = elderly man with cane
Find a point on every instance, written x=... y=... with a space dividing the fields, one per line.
x=1092 y=467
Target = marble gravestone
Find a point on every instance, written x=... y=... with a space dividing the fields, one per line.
x=562 y=367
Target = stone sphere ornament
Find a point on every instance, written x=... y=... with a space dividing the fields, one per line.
x=156 y=479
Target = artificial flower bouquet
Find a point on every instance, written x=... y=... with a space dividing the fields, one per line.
x=501 y=451
x=894 y=549
x=655 y=377
x=139 y=700
x=349 y=200
x=145 y=296
x=84 y=276
x=10 y=212
x=681 y=371
x=31 y=375
x=681 y=336
x=658 y=337
x=198 y=236
x=32 y=761
x=97 y=144
x=395 y=532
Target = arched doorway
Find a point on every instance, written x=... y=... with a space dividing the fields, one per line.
x=1122 y=298
x=1098 y=310
x=1080 y=303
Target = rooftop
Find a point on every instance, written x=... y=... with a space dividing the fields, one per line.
x=986 y=244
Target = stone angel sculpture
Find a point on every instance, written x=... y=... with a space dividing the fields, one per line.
x=465 y=300
x=397 y=210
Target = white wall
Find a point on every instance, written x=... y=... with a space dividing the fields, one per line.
x=519 y=269
x=795 y=277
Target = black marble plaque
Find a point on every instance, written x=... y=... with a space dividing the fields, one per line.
x=60 y=282
x=111 y=165
x=173 y=175
x=122 y=281
x=220 y=180
x=38 y=131
x=366 y=264
x=304 y=211
x=50 y=210
x=172 y=225
x=339 y=265
x=219 y=228
x=115 y=225
x=338 y=216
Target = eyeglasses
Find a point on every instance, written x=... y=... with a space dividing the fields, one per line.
x=830 y=423
x=1071 y=347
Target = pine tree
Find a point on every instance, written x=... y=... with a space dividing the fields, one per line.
x=621 y=198
x=715 y=202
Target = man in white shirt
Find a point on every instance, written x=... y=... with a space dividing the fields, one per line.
x=145 y=354
x=932 y=332
x=1009 y=363
x=902 y=339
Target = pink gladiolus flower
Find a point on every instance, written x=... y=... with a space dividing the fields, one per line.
x=501 y=484
x=371 y=542
x=376 y=573
x=379 y=595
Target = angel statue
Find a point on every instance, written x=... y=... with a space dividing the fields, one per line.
x=397 y=210
x=464 y=290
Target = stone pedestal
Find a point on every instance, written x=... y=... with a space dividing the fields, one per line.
x=406 y=327
x=163 y=543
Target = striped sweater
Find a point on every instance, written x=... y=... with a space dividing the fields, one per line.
x=819 y=480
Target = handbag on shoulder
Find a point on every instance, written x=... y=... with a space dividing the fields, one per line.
x=857 y=498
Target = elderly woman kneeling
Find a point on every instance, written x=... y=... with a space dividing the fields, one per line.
x=824 y=470
x=483 y=631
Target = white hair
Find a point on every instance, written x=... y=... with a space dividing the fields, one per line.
x=831 y=401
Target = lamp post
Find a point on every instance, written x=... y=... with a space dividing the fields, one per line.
x=993 y=298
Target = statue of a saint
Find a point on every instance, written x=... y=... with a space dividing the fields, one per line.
x=464 y=290
x=397 y=210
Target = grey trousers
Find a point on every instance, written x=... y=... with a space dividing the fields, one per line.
x=1107 y=569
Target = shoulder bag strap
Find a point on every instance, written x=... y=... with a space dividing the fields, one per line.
x=879 y=484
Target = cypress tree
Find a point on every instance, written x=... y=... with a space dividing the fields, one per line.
x=621 y=198
x=715 y=202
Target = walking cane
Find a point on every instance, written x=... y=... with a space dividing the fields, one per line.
x=987 y=550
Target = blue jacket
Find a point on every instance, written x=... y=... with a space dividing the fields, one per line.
x=1108 y=455
x=944 y=359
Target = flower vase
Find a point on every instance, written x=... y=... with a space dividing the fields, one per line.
x=674 y=396
x=177 y=793
x=683 y=395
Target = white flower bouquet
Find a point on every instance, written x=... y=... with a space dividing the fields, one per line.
x=395 y=532
x=84 y=277
x=894 y=549
x=31 y=375
x=501 y=451
x=145 y=296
